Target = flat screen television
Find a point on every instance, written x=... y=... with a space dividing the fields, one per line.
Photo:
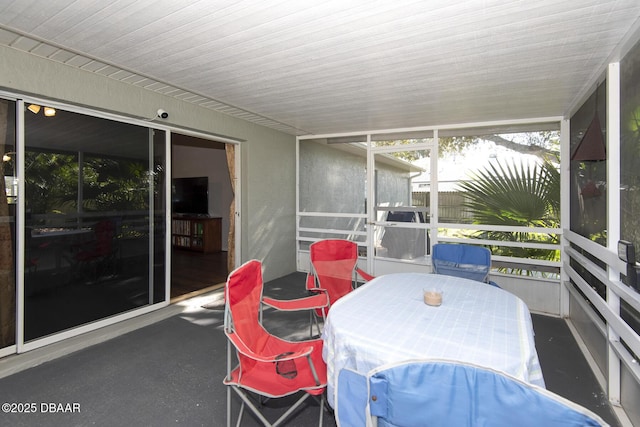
x=190 y=196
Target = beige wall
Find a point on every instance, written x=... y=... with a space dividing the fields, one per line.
x=268 y=156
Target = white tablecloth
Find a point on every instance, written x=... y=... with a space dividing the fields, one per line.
x=386 y=320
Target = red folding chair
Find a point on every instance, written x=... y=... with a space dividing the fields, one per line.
x=268 y=366
x=334 y=268
x=316 y=301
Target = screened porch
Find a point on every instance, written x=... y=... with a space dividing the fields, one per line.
x=391 y=124
x=534 y=192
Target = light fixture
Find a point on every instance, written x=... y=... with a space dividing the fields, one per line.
x=7 y=156
x=48 y=111
x=34 y=108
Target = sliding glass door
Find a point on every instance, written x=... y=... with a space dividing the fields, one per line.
x=94 y=219
x=8 y=225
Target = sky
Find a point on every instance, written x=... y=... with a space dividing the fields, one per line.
x=455 y=167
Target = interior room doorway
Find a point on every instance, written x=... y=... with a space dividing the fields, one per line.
x=201 y=197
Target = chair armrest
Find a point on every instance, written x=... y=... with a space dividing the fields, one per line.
x=320 y=300
x=311 y=282
x=366 y=276
x=246 y=351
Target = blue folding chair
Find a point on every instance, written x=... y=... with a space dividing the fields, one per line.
x=460 y=260
x=440 y=393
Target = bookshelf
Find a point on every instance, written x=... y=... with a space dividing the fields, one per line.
x=197 y=234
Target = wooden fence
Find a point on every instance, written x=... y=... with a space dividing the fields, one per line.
x=449 y=206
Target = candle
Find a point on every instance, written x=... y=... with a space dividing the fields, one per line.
x=432 y=297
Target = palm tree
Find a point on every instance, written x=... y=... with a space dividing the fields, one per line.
x=516 y=195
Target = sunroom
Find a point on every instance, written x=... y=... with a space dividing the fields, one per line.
x=393 y=176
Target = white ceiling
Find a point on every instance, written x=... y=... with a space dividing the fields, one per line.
x=317 y=67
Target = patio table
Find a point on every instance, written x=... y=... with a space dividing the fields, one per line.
x=386 y=320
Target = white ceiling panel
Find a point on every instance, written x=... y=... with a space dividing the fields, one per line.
x=304 y=66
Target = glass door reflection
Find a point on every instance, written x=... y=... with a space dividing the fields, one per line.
x=88 y=220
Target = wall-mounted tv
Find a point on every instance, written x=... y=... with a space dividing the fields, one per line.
x=190 y=196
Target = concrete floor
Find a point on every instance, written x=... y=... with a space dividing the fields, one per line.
x=170 y=373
